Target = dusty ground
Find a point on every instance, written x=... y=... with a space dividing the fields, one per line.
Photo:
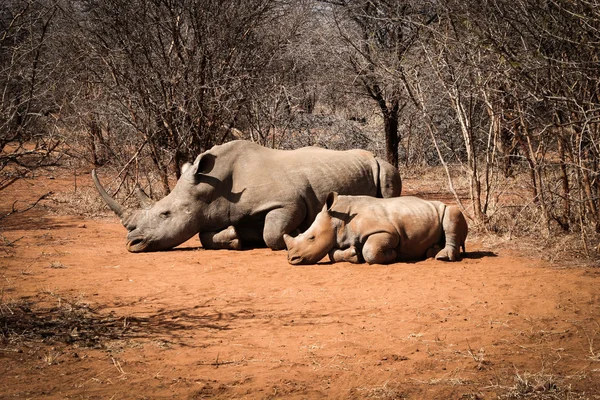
x=80 y=317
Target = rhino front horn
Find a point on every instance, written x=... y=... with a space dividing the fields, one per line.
x=116 y=207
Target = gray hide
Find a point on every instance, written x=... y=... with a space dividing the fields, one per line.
x=242 y=194
x=380 y=231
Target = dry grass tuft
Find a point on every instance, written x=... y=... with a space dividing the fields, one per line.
x=539 y=386
x=57 y=265
x=385 y=391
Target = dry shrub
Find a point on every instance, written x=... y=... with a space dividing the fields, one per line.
x=85 y=200
x=432 y=175
x=515 y=221
x=525 y=228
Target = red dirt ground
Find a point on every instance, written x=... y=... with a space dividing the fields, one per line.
x=83 y=318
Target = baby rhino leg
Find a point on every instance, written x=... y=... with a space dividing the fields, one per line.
x=380 y=248
x=225 y=239
x=455 y=230
x=349 y=255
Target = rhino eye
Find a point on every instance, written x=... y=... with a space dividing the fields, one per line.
x=165 y=214
x=311 y=237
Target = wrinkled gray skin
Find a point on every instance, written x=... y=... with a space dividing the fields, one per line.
x=380 y=231
x=240 y=194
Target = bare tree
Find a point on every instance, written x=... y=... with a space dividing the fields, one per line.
x=522 y=79
x=177 y=73
x=552 y=52
x=379 y=35
x=28 y=137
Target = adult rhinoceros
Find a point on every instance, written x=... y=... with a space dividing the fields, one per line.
x=242 y=194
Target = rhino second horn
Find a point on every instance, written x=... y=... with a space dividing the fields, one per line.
x=144 y=199
x=116 y=207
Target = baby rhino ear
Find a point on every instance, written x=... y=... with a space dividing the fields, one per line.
x=185 y=167
x=331 y=200
x=205 y=163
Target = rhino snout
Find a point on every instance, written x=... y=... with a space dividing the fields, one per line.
x=295 y=260
x=136 y=243
x=293 y=257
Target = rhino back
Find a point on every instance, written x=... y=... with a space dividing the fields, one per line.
x=389 y=181
x=271 y=179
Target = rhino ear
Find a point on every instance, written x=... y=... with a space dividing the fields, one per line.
x=204 y=163
x=331 y=200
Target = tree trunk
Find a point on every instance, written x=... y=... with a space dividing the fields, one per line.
x=392 y=139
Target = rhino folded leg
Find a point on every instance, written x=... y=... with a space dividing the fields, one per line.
x=225 y=239
x=380 y=248
x=455 y=231
x=278 y=222
x=350 y=254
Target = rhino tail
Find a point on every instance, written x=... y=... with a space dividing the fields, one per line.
x=389 y=182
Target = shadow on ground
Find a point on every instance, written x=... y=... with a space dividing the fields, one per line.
x=73 y=323
x=476 y=255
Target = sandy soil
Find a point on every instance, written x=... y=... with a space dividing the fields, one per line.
x=80 y=317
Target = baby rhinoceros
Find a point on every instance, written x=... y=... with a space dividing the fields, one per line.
x=380 y=231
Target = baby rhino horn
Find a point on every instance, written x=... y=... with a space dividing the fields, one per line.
x=289 y=241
